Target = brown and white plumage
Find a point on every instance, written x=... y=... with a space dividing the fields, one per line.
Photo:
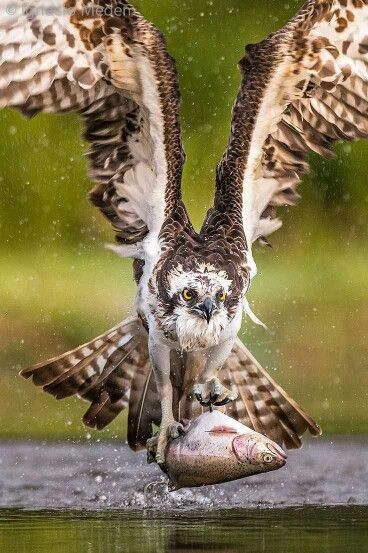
x=262 y=404
x=113 y=373
x=116 y=72
x=304 y=87
x=100 y=372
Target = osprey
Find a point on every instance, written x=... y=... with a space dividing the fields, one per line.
x=302 y=88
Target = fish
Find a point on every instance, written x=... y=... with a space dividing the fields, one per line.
x=215 y=449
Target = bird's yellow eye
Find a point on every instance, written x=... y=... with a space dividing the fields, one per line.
x=187 y=295
x=221 y=296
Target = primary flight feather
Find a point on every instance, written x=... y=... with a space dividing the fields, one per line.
x=303 y=88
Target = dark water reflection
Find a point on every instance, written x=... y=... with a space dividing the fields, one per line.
x=301 y=530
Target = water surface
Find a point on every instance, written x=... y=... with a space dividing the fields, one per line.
x=110 y=476
x=75 y=498
x=299 y=530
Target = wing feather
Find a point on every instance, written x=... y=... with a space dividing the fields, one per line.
x=112 y=67
x=261 y=404
x=100 y=372
x=144 y=407
x=303 y=88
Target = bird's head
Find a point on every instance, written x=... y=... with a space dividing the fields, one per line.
x=197 y=304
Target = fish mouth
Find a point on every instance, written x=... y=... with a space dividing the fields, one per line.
x=278 y=451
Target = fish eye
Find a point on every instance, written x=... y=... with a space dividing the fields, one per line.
x=221 y=296
x=268 y=458
x=187 y=294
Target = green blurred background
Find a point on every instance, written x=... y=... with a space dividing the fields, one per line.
x=59 y=287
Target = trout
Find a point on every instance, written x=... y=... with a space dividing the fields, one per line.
x=215 y=449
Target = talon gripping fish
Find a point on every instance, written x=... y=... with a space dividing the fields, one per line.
x=217 y=449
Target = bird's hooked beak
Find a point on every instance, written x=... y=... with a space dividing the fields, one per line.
x=206 y=309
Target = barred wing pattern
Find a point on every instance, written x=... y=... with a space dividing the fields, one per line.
x=100 y=372
x=303 y=88
x=262 y=404
x=113 y=373
x=104 y=60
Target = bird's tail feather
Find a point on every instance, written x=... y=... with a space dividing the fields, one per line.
x=101 y=371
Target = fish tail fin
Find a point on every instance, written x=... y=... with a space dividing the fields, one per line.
x=262 y=404
x=101 y=371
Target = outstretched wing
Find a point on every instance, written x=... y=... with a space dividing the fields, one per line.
x=104 y=60
x=261 y=404
x=101 y=372
x=303 y=88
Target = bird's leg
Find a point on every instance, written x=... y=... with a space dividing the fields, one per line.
x=169 y=428
x=208 y=389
